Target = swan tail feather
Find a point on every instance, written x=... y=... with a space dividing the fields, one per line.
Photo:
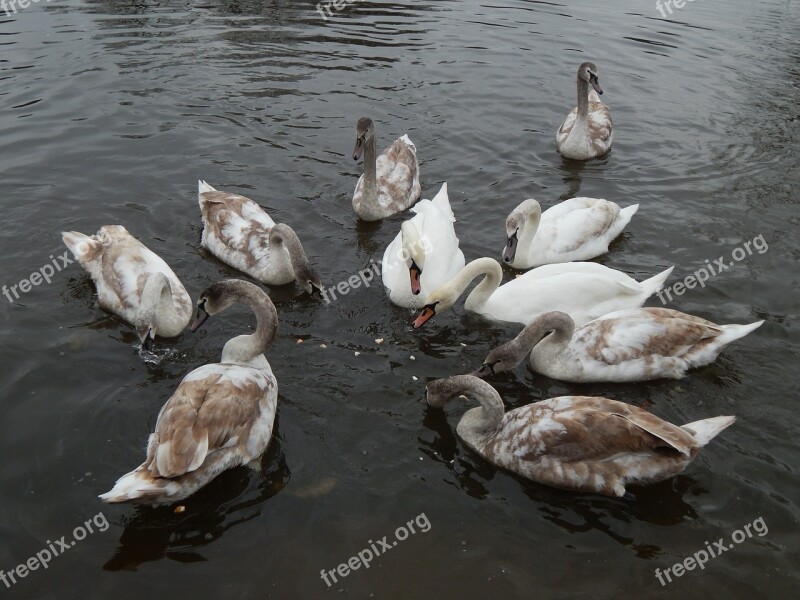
x=706 y=430
x=654 y=284
x=141 y=487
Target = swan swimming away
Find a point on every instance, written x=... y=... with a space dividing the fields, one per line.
x=220 y=416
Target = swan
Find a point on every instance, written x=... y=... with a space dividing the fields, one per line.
x=584 y=290
x=390 y=183
x=576 y=229
x=132 y=282
x=220 y=416
x=628 y=345
x=241 y=234
x=578 y=443
x=424 y=255
x=588 y=131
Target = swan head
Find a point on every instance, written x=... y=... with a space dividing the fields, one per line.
x=476 y=420
x=516 y=222
x=438 y=301
x=501 y=359
x=147 y=335
x=588 y=73
x=413 y=253
x=215 y=299
x=304 y=274
x=365 y=129
x=307 y=278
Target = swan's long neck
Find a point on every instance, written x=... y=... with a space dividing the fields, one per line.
x=493 y=276
x=294 y=256
x=583 y=100
x=370 y=172
x=245 y=348
x=490 y=414
x=156 y=306
x=562 y=326
x=529 y=229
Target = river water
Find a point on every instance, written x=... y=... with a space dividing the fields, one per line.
x=111 y=111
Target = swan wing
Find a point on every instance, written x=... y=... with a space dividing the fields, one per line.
x=642 y=333
x=216 y=406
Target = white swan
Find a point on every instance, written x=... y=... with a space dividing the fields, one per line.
x=627 y=345
x=132 y=282
x=424 y=255
x=576 y=229
x=241 y=234
x=220 y=416
x=588 y=130
x=390 y=183
x=577 y=443
x=584 y=290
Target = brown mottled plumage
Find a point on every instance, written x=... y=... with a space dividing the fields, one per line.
x=240 y=233
x=577 y=443
x=390 y=183
x=588 y=130
x=221 y=415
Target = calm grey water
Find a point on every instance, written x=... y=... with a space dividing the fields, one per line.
x=111 y=111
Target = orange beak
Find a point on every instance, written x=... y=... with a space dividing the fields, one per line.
x=425 y=316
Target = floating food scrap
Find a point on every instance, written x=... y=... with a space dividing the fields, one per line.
x=379 y=341
x=179 y=509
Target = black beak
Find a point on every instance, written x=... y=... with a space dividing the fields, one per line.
x=510 y=250
x=201 y=318
x=484 y=371
x=359 y=149
x=316 y=291
x=147 y=344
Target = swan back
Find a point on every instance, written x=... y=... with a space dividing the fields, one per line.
x=120 y=266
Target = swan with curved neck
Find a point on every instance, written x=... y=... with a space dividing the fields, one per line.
x=132 y=282
x=584 y=290
x=573 y=230
x=390 y=183
x=241 y=234
x=629 y=345
x=588 y=130
x=576 y=443
x=220 y=416
x=424 y=255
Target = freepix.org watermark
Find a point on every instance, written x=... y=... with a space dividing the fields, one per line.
x=56 y=264
x=703 y=274
x=375 y=549
x=10 y=6
x=365 y=276
x=701 y=557
x=665 y=6
x=53 y=549
x=331 y=5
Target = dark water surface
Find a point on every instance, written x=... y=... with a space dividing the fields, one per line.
x=111 y=111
